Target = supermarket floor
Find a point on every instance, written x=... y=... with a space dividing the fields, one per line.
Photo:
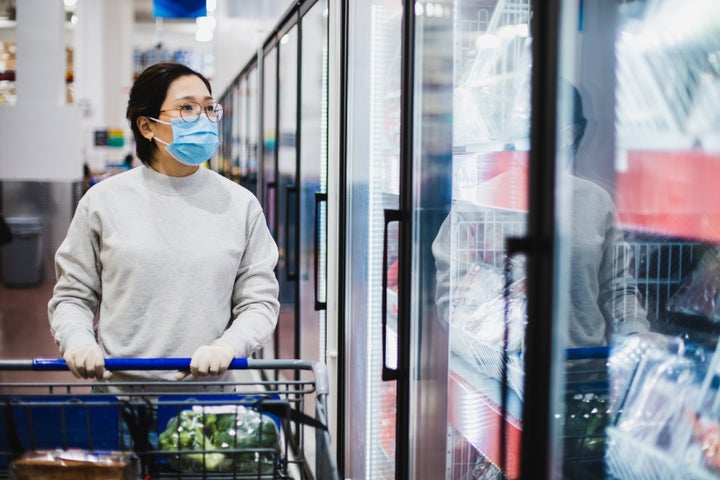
x=25 y=332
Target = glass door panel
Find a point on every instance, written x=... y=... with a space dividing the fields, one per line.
x=313 y=182
x=287 y=191
x=373 y=149
x=639 y=236
x=268 y=190
x=269 y=137
x=240 y=155
x=479 y=298
x=224 y=154
x=312 y=192
x=250 y=177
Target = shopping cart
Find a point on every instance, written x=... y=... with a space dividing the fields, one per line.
x=587 y=412
x=151 y=430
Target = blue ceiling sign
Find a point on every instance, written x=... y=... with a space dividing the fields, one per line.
x=179 y=8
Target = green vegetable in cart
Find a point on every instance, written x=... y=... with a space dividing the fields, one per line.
x=586 y=417
x=239 y=439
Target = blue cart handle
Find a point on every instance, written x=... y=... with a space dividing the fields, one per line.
x=58 y=364
x=584 y=353
x=318 y=369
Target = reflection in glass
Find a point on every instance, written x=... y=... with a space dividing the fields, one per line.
x=636 y=184
x=479 y=287
x=268 y=186
x=373 y=148
x=269 y=138
x=313 y=181
x=287 y=192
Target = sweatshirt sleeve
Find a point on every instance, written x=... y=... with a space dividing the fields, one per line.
x=619 y=297
x=441 y=252
x=255 y=304
x=76 y=296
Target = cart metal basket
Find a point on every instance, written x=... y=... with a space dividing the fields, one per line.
x=143 y=431
x=587 y=412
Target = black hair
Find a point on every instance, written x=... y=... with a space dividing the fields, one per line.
x=569 y=93
x=147 y=96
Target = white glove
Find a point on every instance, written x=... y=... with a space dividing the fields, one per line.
x=87 y=361
x=213 y=359
x=652 y=340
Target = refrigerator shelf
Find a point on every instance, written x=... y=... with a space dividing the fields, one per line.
x=474 y=411
x=488 y=359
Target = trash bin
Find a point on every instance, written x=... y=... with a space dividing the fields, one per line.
x=22 y=258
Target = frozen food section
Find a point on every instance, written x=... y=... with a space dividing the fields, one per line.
x=637 y=267
x=525 y=225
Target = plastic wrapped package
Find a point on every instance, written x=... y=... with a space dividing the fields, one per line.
x=75 y=465
x=653 y=412
x=478 y=322
x=699 y=292
x=652 y=435
x=626 y=358
x=479 y=307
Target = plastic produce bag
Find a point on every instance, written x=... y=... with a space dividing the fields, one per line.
x=221 y=439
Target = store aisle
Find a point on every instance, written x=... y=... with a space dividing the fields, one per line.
x=25 y=332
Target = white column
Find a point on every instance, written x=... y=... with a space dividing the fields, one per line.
x=39 y=135
x=40 y=65
x=89 y=40
x=103 y=71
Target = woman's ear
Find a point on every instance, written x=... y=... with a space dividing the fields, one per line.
x=143 y=124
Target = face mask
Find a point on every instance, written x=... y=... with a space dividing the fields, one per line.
x=193 y=143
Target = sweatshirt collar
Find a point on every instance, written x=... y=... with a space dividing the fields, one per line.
x=174 y=186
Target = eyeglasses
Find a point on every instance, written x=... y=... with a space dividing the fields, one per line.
x=190 y=112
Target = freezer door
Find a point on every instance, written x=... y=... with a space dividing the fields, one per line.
x=638 y=226
x=470 y=166
x=373 y=147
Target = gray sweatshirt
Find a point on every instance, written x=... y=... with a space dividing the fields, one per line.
x=156 y=266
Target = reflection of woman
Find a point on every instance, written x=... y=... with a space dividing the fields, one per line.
x=603 y=298
x=175 y=260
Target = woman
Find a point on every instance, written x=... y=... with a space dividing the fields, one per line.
x=168 y=259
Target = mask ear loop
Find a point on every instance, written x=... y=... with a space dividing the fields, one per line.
x=156 y=138
x=159 y=121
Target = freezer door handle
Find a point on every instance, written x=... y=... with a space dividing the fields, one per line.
x=290 y=270
x=268 y=206
x=319 y=198
x=387 y=372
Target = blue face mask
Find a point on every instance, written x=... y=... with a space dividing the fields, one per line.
x=193 y=143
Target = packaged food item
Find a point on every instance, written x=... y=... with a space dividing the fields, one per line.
x=75 y=465
x=223 y=438
x=699 y=293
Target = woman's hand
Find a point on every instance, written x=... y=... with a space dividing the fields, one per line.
x=87 y=361
x=213 y=359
